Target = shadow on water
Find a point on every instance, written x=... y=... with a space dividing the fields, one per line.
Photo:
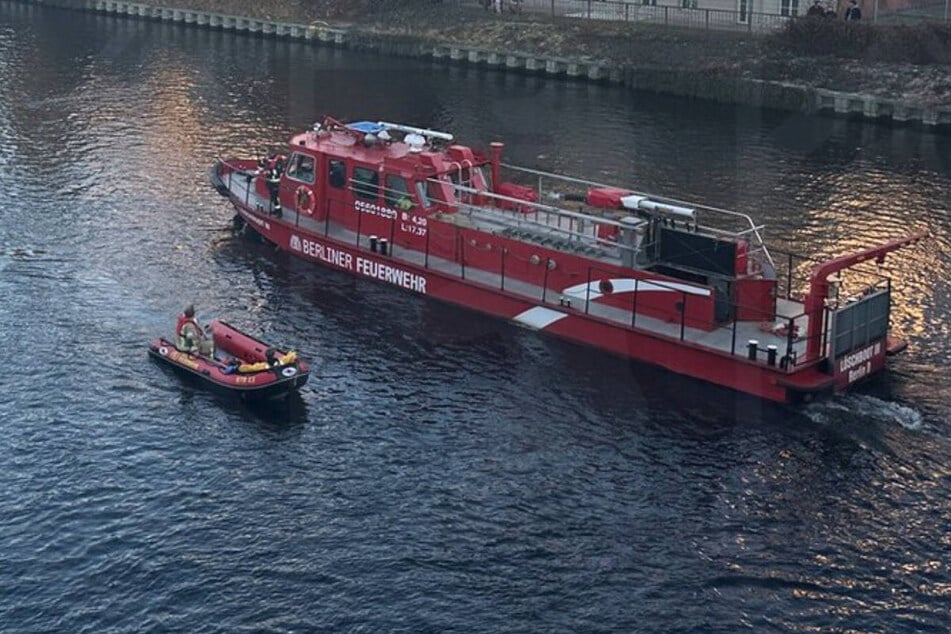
x=281 y=415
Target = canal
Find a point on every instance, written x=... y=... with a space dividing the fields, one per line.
x=441 y=471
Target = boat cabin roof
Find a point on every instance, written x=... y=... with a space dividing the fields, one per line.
x=397 y=146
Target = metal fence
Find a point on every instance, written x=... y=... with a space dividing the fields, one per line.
x=646 y=13
x=667 y=15
x=614 y=10
x=649 y=12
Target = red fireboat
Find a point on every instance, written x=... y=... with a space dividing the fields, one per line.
x=680 y=285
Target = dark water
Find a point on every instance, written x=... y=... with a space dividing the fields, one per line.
x=442 y=471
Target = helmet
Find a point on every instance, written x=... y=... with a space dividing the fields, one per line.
x=190 y=310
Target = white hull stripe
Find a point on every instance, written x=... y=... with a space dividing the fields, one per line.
x=539 y=317
x=626 y=285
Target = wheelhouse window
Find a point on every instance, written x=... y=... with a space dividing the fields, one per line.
x=440 y=190
x=397 y=192
x=301 y=168
x=422 y=194
x=366 y=183
x=337 y=174
x=789 y=8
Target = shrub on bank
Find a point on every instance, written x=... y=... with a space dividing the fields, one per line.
x=928 y=43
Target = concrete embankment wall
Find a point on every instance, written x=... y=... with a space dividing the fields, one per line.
x=685 y=83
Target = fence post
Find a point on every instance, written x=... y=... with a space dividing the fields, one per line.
x=733 y=336
x=392 y=234
x=634 y=304
x=627 y=12
x=426 y=258
x=789 y=339
x=504 y=251
x=589 y=9
x=552 y=8
x=707 y=18
x=587 y=292
x=545 y=283
x=749 y=21
x=683 y=314
x=946 y=2
x=462 y=254
x=665 y=16
x=789 y=265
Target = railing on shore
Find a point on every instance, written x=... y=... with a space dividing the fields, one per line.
x=641 y=12
x=674 y=13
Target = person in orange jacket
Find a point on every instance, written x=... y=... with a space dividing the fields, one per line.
x=189 y=331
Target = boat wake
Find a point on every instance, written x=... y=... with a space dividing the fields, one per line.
x=863 y=406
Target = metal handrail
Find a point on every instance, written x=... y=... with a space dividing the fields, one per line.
x=753 y=228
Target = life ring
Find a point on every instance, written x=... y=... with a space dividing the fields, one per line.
x=163 y=351
x=289 y=371
x=305 y=200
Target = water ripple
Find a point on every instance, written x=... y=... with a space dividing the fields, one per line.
x=441 y=471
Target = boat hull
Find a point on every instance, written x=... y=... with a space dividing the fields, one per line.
x=679 y=356
x=272 y=383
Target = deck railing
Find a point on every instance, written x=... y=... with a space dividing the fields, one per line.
x=453 y=234
x=789 y=360
x=712 y=220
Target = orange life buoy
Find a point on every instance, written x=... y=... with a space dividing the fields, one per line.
x=305 y=200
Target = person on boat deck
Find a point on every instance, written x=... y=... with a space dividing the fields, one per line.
x=191 y=337
x=274 y=188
